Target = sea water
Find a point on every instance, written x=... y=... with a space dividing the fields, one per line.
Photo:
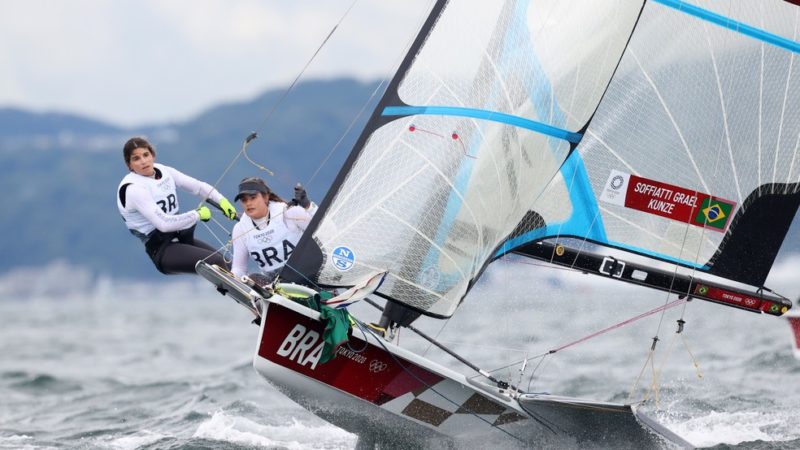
x=119 y=365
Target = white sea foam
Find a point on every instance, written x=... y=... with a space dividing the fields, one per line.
x=717 y=428
x=292 y=434
x=137 y=440
x=21 y=442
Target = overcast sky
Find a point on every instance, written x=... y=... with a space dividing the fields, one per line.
x=132 y=62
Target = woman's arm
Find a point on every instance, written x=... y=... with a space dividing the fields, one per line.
x=140 y=200
x=240 y=255
x=298 y=217
x=193 y=185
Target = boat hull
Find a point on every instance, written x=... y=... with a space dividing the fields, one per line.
x=376 y=389
x=371 y=383
x=390 y=396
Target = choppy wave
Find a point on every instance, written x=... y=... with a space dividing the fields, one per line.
x=139 y=366
x=290 y=433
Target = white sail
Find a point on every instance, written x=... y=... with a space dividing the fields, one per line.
x=476 y=124
x=669 y=129
x=703 y=105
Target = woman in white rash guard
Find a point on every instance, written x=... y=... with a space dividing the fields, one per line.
x=270 y=229
x=148 y=202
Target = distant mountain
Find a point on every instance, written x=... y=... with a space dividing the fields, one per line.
x=17 y=122
x=61 y=171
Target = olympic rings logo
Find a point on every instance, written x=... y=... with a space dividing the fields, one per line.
x=377 y=366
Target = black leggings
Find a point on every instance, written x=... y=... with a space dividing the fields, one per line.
x=177 y=257
x=182 y=255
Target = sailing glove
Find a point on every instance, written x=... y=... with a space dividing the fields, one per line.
x=227 y=208
x=301 y=197
x=204 y=213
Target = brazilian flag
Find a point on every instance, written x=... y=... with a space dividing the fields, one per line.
x=714 y=213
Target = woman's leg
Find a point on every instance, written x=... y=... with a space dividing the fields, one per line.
x=181 y=258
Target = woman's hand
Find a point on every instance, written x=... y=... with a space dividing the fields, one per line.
x=227 y=208
x=301 y=197
x=204 y=213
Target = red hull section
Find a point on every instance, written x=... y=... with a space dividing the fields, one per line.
x=794 y=322
x=294 y=341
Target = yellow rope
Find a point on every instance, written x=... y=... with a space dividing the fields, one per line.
x=654 y=385
x=641 y=372
x=694 y=360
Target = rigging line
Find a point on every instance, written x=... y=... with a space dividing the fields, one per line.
x=346 y=132
x=675 y=273
x=438 y=333
x=280 y=100
x=533 y=373
x=221 y=242
x=598 y=333
x=431 y=388
x=308 y=63
x=452 y=353
x=378 y=89
x=619 y=325
x=639 y=378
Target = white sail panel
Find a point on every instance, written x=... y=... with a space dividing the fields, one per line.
x=545 y=60
x=431 y=208
x=699 y=106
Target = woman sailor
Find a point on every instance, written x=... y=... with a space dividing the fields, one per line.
x=270 y=230
x=147 y=200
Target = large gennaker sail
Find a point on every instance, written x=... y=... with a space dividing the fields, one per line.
x=668 y=129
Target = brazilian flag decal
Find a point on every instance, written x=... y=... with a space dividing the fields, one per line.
x=714 y=213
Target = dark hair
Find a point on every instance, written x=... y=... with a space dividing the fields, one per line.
x=271 y=196
x=134 y=143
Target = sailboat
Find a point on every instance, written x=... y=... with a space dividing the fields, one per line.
x=647 y=142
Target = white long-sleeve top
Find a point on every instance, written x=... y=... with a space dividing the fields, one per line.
x=269 y=241
x=150 y=203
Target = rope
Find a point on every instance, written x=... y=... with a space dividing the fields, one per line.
x=691 y=355
x=595 y=334
x=641 y=372
x=621 y=324
x=284 y=94
x=346 y=132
